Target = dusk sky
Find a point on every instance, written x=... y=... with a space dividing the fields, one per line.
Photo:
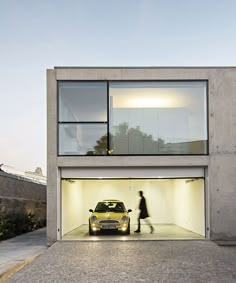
x=38 y=35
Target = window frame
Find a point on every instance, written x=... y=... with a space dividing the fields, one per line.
x=79 y=122
x=108 y=116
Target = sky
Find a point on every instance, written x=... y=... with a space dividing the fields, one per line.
x=38 y=35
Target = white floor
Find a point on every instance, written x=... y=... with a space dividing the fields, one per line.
x=161 y=232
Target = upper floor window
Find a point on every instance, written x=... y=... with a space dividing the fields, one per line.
x=145 y=118
x=82 y=117
x=158 y=118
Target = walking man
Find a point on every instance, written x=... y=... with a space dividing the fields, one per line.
x=143 y=214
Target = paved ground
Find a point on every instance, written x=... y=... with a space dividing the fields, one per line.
x=127 y=261
x=18 y=251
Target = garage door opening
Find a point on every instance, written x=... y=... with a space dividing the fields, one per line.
x=176 y=207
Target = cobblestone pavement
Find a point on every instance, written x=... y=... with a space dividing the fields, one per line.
x=152 y=261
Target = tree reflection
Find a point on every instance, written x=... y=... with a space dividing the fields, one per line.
x=132 y=141
x=127 y=140
x=100 y=148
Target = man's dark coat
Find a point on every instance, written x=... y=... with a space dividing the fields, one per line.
x=143 y=208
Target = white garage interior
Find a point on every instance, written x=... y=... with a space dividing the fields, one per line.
x=176 y=206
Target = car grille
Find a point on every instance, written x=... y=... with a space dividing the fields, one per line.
x=108 y=221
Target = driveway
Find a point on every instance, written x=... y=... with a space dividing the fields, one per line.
x=132 y=261
x=19 y=251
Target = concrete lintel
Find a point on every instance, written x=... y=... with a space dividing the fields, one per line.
x=133 y=74
x=134 y=161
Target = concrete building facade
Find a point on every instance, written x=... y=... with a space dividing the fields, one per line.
x=193 y=112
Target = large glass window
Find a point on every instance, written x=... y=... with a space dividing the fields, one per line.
x=158 y=118
x=82 y=118
x=145 y=118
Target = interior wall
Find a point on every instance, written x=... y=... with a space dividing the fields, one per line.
x=72 y=205
x=157 y=193
x=189 y=204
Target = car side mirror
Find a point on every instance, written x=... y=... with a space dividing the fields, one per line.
x=90 y=210
x=129 y=210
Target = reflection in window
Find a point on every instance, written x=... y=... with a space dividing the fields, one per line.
x=158 y=118
x=82 y=139
x=82 y=101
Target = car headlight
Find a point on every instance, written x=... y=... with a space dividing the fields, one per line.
x=93 y=218
x=125 y=218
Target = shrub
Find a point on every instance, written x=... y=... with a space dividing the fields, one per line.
x=15 y=224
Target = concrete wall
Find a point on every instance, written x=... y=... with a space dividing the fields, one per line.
x=53 y=176
x=20 y=195
x=220 y=164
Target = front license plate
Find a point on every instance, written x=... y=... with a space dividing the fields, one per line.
x=109 y=227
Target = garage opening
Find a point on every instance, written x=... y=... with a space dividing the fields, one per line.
x=176 y=207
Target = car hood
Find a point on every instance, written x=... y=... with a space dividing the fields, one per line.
x=109 y=215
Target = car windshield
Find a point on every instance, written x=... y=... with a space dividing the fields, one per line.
x=110 y=207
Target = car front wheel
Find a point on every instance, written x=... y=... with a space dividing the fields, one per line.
x=128 y=229
x=90 y=230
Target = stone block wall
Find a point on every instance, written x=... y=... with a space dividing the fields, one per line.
x=19 y=195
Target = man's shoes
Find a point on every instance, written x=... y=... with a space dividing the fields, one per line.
x=152 y=229
x=137 y=231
